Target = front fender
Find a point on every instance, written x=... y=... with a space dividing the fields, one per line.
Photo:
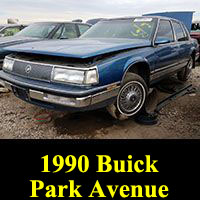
x=114 y=69
x=134 y=61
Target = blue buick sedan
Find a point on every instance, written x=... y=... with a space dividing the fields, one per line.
x=112 y=65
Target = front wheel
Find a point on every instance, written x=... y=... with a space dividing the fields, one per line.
x=131 y=97
x=185 y=73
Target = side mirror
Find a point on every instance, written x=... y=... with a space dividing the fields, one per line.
x=162 y=41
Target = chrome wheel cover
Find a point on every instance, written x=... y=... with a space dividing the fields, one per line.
x=189 y=68
x=131 y=98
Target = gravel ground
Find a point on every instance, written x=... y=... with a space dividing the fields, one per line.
x=179 y=119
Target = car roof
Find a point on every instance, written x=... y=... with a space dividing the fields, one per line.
x=146 y=16
x=60 y=22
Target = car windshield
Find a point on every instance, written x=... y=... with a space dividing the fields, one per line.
x=137 y=28
x=196 y=27
x=37 y=30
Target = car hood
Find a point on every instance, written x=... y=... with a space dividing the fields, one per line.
x=13 y=40
x=80 y=48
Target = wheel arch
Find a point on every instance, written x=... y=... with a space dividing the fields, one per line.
x=140 y=67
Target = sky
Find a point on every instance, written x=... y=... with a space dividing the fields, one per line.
x=28 y=11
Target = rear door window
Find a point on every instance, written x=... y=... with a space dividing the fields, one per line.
x=165 y=31
x=180 y=33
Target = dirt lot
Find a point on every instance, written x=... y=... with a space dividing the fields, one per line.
x=179 y=119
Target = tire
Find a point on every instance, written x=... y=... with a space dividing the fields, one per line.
x=185 y=73
x=131 y=97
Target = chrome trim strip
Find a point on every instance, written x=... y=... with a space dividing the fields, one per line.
x=36 y=94
x=167 y=44
x=163 y=68
x=112 y=84
x=174 y=32
x=79 y=102
x=155 y=34
x=97 y=98
x=165 y=72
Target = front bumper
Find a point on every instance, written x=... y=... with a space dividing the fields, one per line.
x=45 y=97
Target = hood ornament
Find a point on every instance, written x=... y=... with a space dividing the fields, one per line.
x=28 y=69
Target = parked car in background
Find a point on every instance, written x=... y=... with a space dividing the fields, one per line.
x=43 y=31
x=10 y=29
x=112 y=65
x=195 y=32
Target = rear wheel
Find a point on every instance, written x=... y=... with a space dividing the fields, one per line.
x=185 y=74
x=131 y=97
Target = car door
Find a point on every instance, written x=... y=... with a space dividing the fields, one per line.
x=167 y=54
x=183 y=39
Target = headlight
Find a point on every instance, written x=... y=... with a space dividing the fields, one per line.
x=82 y=77
x=8 y=64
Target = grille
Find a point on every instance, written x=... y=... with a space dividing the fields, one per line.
x=36 y=70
